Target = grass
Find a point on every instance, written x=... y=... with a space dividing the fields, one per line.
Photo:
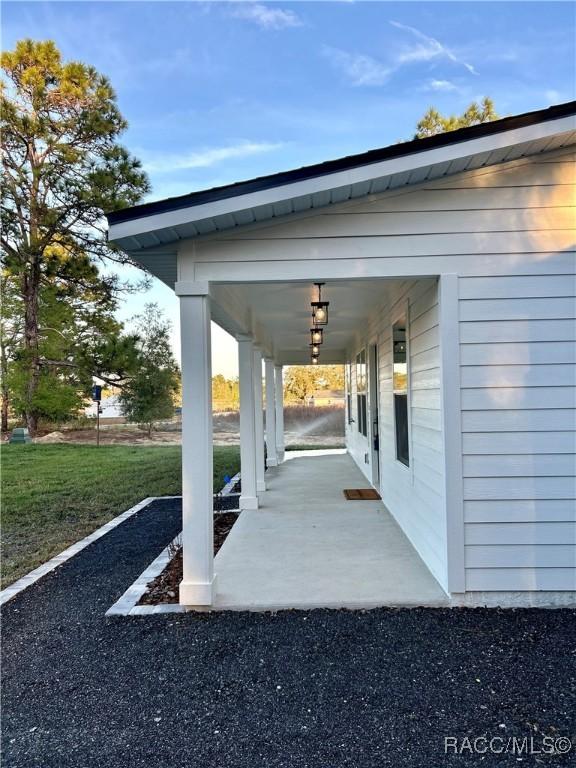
x=54 y=495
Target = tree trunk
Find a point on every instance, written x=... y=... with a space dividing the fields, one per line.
x=30 y=293
x=4 y=426
x=5 y=392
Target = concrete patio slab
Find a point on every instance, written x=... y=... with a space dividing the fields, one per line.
x=308 y=547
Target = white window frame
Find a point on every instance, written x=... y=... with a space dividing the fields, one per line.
x=402 y=313
x=349 y=395
x=362 y=393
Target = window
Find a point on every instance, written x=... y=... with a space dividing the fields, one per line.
x=349 y=393
x=400 y=388
x=361 y=384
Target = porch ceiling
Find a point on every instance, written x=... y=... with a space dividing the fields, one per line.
x=279 y=315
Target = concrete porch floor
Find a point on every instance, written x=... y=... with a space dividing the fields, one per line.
x=308 y=547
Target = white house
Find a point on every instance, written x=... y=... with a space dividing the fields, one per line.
x=449 y=264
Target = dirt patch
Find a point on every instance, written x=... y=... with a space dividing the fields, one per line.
x=165 y=588
x=111 y=436
x=304 y=426
x=52 y=437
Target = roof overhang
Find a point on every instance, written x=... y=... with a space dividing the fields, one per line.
x=154 y=229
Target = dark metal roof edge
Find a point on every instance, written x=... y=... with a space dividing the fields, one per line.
x=342 y=164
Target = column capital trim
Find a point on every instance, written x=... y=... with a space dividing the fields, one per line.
x=186 y=288
x=244 y=337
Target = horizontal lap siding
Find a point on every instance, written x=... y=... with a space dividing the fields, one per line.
x=518 y=216
x=518 y=397
x=508 y=232
x=415 y=496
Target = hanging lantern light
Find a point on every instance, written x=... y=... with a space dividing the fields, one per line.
x=314 y=349
x=319 y=308
x=315 y=359
x=316 y=336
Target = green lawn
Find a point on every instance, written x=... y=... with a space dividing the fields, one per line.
x=54 y=495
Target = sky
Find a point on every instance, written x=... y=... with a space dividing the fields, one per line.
x=217 y=92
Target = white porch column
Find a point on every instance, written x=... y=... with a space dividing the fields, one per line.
x=198 y=583
x=248 y=497
x=270 y=413
x=259 y=420
x=279 y=387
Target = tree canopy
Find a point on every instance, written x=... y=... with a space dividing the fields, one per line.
x=301 y=381
x=148 y=396
x=433 y=122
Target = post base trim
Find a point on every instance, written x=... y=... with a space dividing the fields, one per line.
x=248 y=502
x=261 y=485
x=197 y=592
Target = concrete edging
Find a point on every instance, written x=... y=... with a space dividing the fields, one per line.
x=127 y=603
x=50 y=565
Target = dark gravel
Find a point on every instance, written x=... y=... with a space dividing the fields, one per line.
x=321 y=689
x=226 y=503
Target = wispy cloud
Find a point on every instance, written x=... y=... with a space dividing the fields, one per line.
x=166 y=163
x=358 y=68
x=266 y=17
x=441 y=85
x=364 y=70
x=428 y=49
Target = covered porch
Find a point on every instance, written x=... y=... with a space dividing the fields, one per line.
x=309 y=547
x=298 y=541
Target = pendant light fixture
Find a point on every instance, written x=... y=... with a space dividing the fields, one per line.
x=319 y=308
x=316 y=336
x=314 y=349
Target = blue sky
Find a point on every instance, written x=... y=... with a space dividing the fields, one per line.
x=218 y=92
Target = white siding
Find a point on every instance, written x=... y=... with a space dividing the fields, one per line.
x=519 y=431
x=414 y=495
x=509 y=234
x=518 y=379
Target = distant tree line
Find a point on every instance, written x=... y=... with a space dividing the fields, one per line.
x=300 y=383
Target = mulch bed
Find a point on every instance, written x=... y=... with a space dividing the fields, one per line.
x=165 y=588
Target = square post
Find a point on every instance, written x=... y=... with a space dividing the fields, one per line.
x=259 y=420
x=249 y=496
x=272 y=456
x=279 y=387
x=452 y=432
x=198 y=582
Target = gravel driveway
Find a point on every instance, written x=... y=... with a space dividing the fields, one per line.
x=321 y=689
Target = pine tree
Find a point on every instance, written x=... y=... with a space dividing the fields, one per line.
x=149 y=394
x=433 y=122
x=62 y=167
